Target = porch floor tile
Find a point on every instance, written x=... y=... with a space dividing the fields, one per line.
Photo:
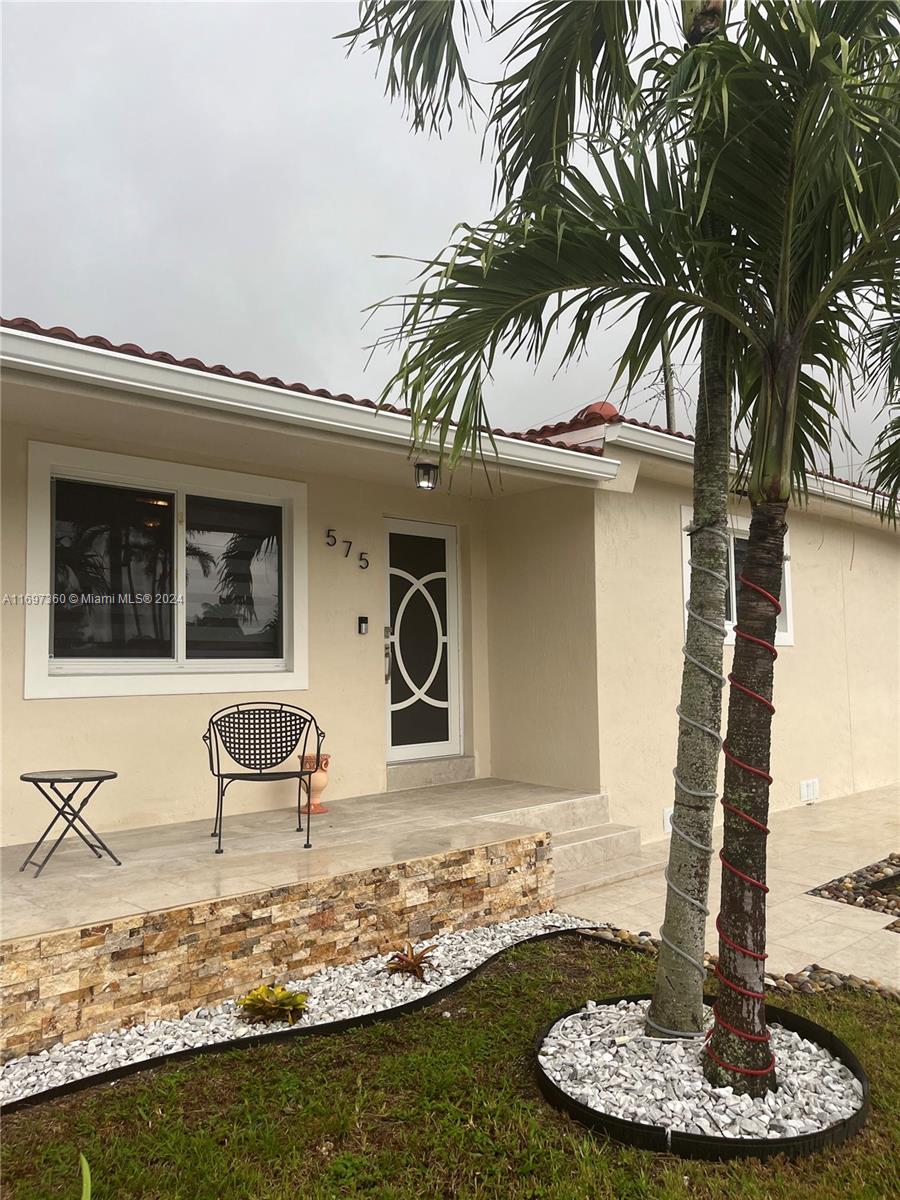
x=174 y=864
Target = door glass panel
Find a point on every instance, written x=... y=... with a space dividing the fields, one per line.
x=233 y=555
x=112 y=559
x=418 y=611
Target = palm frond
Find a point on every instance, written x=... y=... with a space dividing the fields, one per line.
x=570 y=70
x=884 y=463
x=623 y=244
x=799 y=119
x=420 y=49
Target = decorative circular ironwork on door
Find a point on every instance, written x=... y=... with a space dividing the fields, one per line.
x=418 y=641
x=418 y=691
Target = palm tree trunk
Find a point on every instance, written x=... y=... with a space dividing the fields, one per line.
x=677 y=1006
x=738 y=1051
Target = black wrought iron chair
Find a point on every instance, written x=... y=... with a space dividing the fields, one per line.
x=258 y=742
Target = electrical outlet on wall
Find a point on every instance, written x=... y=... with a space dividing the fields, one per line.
x=667 y=819
x=809 y=790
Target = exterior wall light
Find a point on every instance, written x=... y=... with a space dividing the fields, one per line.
x=426 y=476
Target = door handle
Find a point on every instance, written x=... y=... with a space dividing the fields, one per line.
x=388 y=658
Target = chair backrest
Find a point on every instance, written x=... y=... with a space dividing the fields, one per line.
x=259 y=736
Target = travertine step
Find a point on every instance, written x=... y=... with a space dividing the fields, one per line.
x=647 y=861
x=559 y=816
x=594 y=845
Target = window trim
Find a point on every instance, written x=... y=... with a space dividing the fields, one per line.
x=46 y=677
x=737 y=526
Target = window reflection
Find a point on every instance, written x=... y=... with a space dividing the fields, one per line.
x=233 y=594
x=112 y=552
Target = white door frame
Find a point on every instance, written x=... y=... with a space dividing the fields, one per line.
x=453 y=745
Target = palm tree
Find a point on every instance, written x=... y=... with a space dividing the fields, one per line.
x=782 y=235
x=570 y=74
x=815 y=99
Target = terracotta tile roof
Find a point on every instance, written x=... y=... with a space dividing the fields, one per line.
x=63 y=334
x=604 y=413
x=598 y=413
x=587 y=420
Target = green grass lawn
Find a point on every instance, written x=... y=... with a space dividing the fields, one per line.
x=427 y=1106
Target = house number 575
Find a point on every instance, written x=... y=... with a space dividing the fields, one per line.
x=332 y=540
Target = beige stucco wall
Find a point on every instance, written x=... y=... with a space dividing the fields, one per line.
x=542 y=638
x=571 y=611
x=837 y=688
x=154 y=742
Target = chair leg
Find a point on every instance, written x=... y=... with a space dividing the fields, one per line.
x=215 y=828
x=300 y=804
x=307 y=844
x=220 y=806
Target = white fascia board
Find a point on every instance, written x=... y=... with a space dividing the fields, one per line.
x=653 y=441
x=92 y=366
x=656 y=441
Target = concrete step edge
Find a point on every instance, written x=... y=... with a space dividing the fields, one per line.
x=546 y=814
x=592 y=833
x=581 y=880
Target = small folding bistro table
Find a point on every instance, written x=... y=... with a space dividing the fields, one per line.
x=69 y=808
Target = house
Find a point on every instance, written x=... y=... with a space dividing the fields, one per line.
x=529 y=631
x=495 y=664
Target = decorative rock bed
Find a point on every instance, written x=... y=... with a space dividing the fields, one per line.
x=602 y=1057
x=875 y=887
x=337 y=996
x=600 y=1066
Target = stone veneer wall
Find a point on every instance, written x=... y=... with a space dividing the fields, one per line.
x=71 y=983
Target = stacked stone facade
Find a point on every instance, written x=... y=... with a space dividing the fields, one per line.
x=68 y=984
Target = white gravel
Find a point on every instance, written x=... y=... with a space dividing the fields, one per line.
x=602 y=1057
x=334 y=993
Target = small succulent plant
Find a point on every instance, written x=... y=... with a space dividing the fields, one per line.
x=277 y=1003
x=410 y=961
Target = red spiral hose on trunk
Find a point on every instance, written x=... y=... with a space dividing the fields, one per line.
x=759 y=773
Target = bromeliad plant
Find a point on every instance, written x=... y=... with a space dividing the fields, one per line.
x=273 y=1003
x=410 y=961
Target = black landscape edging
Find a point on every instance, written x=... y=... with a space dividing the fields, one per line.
x=696 y=1145
x=281 y=1035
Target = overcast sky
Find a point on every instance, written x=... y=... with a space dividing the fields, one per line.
x=217 y=179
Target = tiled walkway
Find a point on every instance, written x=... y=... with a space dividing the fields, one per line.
x=808 y=846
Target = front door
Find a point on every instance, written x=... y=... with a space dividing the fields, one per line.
x=421 y=647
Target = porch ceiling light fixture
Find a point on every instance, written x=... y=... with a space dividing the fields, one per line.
x=426 y=476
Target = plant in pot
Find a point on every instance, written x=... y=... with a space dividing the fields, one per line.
x=318 y=781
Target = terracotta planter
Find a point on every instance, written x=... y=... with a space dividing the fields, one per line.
x=318 y=782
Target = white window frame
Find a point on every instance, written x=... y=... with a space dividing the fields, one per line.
x=739 y=526
x=47 y=677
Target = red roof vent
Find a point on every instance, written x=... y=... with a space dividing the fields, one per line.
x=597 y=413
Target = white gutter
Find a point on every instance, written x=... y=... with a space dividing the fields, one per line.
x=70 y=361
x=652 y=441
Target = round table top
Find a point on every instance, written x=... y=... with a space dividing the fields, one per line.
x=67 y=776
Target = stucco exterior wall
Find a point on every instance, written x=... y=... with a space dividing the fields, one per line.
x=837 y=688
x=571 y=613
x=542 y=638
x=154 y=742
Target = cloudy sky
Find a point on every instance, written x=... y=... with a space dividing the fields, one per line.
x=218 y=179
